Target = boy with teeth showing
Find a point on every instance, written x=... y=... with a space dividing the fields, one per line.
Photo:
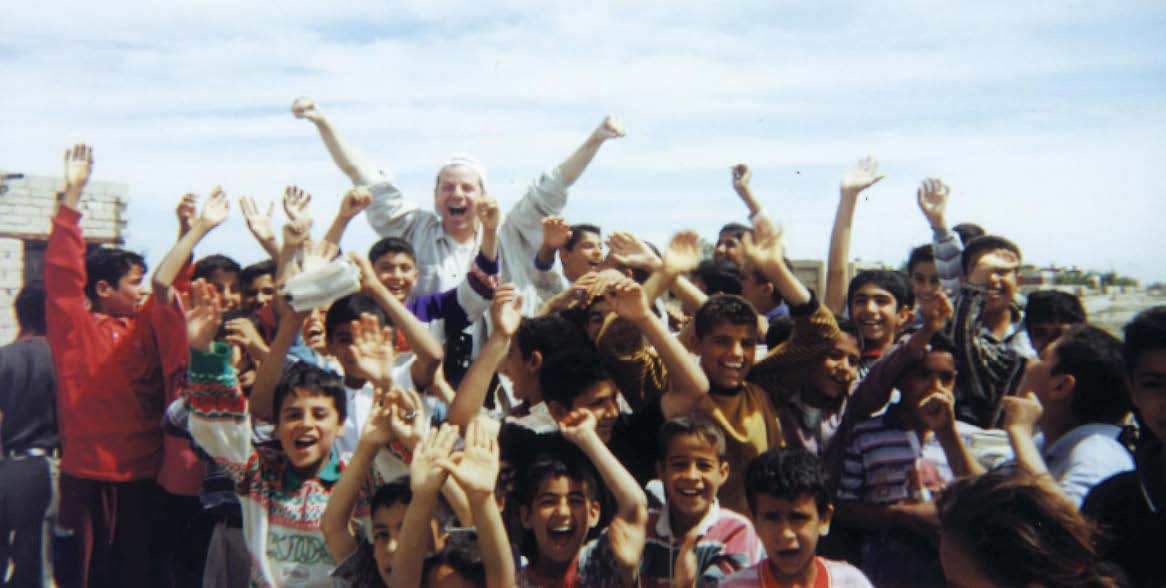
x=559 y=505
x=283 y=492
x=789 y=498
x=691 y=539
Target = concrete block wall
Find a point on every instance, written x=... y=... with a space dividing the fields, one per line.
x=26 y=210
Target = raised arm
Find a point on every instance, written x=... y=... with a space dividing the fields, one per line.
x=347 y=159
x=426 y=477
x=573 y=166
x=214 y=212
x=741 y=176
x=260 y=224
x=428 y=351
x=863 y=175
x=681 y=257
x=938 y=413
x=765 y=250
x=78 y=166
x=506 y=314
x=932 y=198
x=477 y=474
x=628 y=528
x=354 y=203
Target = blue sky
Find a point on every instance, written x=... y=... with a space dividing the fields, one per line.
x=1046 y=118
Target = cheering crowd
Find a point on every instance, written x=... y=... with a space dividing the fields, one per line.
x=500 y=399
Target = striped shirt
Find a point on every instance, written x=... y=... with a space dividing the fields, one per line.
x=887 y=464
x=831 y=574
x=727 y=544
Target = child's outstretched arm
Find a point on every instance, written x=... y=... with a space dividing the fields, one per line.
x=214 y=212
x=426 y=477
x=354 y=203
x=476 y=471
x=932 y=198
x=506 y=314
x=863 y=175
x=628 y=529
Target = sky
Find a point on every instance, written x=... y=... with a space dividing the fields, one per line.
x=1045 y=118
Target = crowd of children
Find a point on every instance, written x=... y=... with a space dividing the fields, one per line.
x=492 y=399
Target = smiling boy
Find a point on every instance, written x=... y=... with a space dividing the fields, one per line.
x=789 y=498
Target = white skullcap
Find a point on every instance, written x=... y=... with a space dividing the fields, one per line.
x=470 y=162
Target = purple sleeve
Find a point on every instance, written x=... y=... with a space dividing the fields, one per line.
x=442 y=305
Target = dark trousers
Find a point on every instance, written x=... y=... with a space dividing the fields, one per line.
x=26 y=493
x=182 y=539
x=106 y=534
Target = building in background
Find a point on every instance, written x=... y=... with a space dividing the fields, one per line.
x=27 y=204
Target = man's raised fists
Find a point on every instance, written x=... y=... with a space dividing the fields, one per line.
x=610 y=128
x=305 y=107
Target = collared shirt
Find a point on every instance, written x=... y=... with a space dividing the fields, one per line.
x=831 y=574
x=1084 y=457
x=727 y=543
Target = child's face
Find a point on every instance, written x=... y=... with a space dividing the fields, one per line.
x=342 y=346
x=386 y=530
x=227 y=285
x=312 y=330
x=924 y=280
x=600 y=400
x=560 y=516
x=935 y=373
x=259 y=292
x=522 y=372
x=585 y=256
x=995 y=271
x=727 y=352
x=692 y=473
x=789 y=529
x=1040 y=379
x=729 y=247
x=398 y=273
x=833 y=375
x=1148 y=388
x=1043 y=334
x=877 y=314
x=308 y=425
x=127 y=297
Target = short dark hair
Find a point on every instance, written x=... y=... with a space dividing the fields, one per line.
x=567 y=462
x=348 y=309
x=719 y=276
x=109 y=264
x=848 y=326
x=568 y=374
x=395 y=492
x=255 y=270
x=577 y=231
x=968 y=231
x=695 y=425
x=920 y=254
x=206 y=267
x=463 y=555
x=720 y=309
x=317 y=381
x=737 y=229
x=1146 y=332
x=895 y=283
x=1054 y=306
x=547 y=335
x=780 y=329
x=977 y=247
x=1093 y=357
x=30 y=308
x=941 y=343
x=786 y=472
x=775 y=295
x=390 y=245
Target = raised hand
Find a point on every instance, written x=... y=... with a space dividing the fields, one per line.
x=186 y=210
x=863 y=175
x=425 y=475
x=305 y=107
x=489 y=214
x=204 y=317
x=354 y=202
x=378 y=430
x=937 y=412
x=318 y=253
x=1022 y=413
x=683 y=253
x=78 y=166
x=407 y=417
x=610 y=128
x=627 y=299
x=368 y=278
x=628 y=250
x=258 y=222
x=935 y=311
x=295 y=203
x=215 y=211
x=372 y=348
x=932 y=198
x=765 y=246
x=604 y=280
x=685 y=572
x=556 y=232
x=506 y=309
x=242 y=332
x=476 y=467
x=741 y=176
x=296 y=232
x=578 y=426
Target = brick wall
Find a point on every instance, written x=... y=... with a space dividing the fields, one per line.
x=25 y=213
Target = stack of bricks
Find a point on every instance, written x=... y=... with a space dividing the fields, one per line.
x=26 y=210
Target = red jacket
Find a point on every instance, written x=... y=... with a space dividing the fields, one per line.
x=109 y=372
